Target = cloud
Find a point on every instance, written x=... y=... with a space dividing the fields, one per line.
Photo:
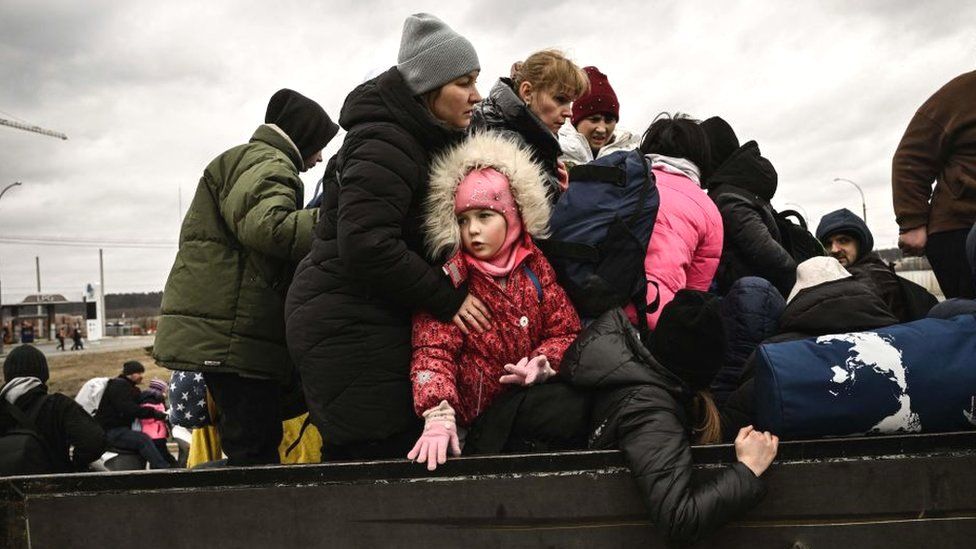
x=148 y=93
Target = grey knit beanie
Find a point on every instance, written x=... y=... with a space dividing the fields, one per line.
x=432 y=54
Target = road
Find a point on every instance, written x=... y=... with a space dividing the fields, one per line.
x=120 y=343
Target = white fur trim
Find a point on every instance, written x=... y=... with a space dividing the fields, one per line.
x=288 y=139
x=483 y=150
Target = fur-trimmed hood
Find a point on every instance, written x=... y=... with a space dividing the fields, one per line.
x=483 y=150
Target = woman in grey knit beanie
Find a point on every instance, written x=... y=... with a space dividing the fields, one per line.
x=349 y=306
x=441 y=67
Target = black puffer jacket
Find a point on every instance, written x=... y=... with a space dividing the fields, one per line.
x=348 y=309
x=63 y=425
x=504 y=111
x=742 y=188
x=836 y=307
x=641 y=408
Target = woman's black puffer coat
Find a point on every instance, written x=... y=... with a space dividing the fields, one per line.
x=349 y=307
x=505 y=112
x=640 y=407
x=742 y=188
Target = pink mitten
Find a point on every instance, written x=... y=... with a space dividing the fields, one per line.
x=528 y=371
x=439 y=436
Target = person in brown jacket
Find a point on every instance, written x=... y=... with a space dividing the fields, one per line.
x=939 y=145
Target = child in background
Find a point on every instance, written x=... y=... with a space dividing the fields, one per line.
x=487 y=201
x=157 y=429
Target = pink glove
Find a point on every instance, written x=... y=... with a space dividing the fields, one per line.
x=528 y=372
x=439 y=436
x=563 y=175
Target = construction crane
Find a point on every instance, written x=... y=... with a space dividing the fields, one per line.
x=31 y=128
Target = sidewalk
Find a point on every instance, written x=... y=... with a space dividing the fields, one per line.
x=120 y=343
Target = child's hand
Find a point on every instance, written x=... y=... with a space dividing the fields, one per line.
x=528 y=372
x=756 y=450
x=438 y=439
x=473 y=315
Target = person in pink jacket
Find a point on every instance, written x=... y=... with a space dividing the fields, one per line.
x=686 y=244
x=156 y=429
x=487 y=201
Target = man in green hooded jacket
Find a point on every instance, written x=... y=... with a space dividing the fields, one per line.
x=223 y=305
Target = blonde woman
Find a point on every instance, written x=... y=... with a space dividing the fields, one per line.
x=532 y=104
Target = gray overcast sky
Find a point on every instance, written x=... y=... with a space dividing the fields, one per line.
x=149 y=92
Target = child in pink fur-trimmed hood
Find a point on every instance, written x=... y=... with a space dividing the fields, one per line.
x=487 y=200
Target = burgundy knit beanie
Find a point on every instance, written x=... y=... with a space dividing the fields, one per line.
x=601 y=98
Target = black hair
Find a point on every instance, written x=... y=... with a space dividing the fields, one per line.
x=681 y=137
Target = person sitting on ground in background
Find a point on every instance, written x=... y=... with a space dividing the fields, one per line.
x=593 y=132
x=223 y=305
x=825 y=300
x=848 y=240
x=654 y=407
x=120 y=407
x=59 y=420
x=939 y=145
x=741 y=184
x=156 y=429
x=686 y=244
x=487 y=202
x=532 y=105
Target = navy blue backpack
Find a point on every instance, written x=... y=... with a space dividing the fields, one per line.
x=601 y=227
x=907 y=378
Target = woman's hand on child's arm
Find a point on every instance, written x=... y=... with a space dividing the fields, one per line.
x=528 y=371
x=756 y=450
x=439 y=437
x=473 y=315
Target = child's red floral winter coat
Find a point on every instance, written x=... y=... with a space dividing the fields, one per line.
x=465 y=370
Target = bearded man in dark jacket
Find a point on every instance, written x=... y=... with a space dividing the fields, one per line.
x=819 y=304
x=60 y=421
x=848 y=240
x=742 y=184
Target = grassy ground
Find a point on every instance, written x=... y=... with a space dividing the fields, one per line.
x=71 y=370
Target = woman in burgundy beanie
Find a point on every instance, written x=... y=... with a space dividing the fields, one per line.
x=594 y=132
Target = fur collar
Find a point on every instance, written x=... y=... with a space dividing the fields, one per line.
x=294 y=148
x=483 y=150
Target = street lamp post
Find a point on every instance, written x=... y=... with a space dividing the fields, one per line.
x=5 y=189
x=864 y=207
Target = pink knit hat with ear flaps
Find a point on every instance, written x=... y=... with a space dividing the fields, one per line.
x=488 y=189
